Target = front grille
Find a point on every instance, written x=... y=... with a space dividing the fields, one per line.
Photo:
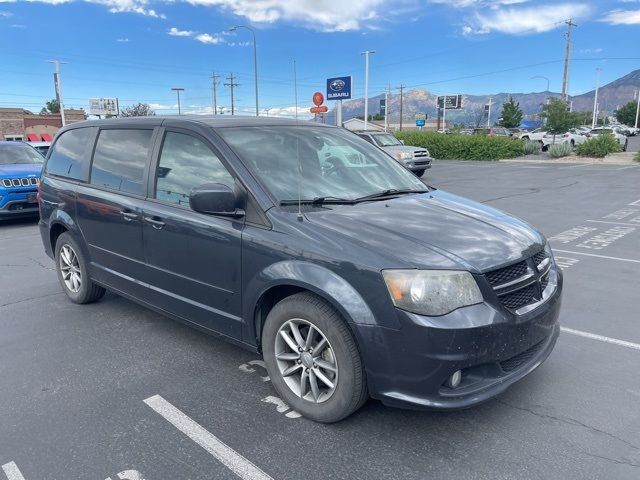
x=19 y=182
x=539 y=257
x=520 y=298
x=513 y=363
x=420 y=153
x=507 y=274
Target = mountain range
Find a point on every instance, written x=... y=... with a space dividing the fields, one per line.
x=417 y=100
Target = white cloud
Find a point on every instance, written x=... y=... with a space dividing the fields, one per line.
x=478 y=3
x=5 y=14
x=115 y=6
x=622 y=17
x=174 y=32
x=321 y=15
x=589 y=51
x=17 y=25
x=525 y=20
x=122 y=40
x=209 y=39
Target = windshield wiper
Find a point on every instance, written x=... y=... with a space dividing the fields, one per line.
x=318 y=201
x=391 y=192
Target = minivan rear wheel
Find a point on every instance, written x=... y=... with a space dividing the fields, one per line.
x=312 y=358
x=71 y=267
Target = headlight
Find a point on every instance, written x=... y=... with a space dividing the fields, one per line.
x=547 y=248
x=404 y=155
x=431 y=292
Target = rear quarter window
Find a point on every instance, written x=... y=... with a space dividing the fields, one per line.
x=69 y=153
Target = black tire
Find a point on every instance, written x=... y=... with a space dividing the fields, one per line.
x=88 y=291
x=419 y=173
x=351 y=389
x=572 y=143
x=525 y=138
x=626 y=144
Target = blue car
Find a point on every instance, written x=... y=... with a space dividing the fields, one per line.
x=20 y=167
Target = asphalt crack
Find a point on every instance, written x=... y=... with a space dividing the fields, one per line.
x=531 y=191
x=8 y=304
x=575 y=423
x=39 y=263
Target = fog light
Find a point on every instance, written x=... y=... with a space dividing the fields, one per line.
x=455 y=379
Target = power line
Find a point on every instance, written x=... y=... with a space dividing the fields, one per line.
x=214 y=85
x=232 y=85
x=401 y=87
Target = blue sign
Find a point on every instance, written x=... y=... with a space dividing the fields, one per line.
x=420 y=123
x=339 y=88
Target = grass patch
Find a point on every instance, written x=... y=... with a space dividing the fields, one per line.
x=464 y=147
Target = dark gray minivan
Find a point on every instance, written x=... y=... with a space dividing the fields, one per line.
x=307 y=244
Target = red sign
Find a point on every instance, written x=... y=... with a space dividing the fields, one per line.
x=322 y=109
x=318 y=99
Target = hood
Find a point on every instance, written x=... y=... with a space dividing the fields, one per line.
x=460 y=232
x=20 y=170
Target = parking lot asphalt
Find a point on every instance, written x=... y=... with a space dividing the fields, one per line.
x=114 y=391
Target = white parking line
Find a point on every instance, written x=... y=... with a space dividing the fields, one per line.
x=576 y=166
x=625 y=168
x=12 y=471
x=601 y=338
x=226 y=455
x=632 y=260
x=614 y=223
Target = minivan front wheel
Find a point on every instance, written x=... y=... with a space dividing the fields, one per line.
x=312 y=359
x=72 y=272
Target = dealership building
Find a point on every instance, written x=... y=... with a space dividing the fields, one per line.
x=19 y=124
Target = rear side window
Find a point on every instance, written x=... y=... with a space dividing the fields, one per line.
x=120 y=160
x=68 y=153
x=186 y=162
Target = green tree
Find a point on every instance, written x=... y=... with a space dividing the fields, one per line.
x=137 y=110
x=627 y=114
x=52 y=106
x=511 y=114
x=559 y=118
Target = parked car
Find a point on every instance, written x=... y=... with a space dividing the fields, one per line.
x=20 y=166
x=416 y=159
x=41 y=147
x=622 y=140
x=492 y=132
x=572 y=137
x=515 y=132
x=534 y=135
x=351 y=276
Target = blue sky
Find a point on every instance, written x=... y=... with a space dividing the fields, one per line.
x=138 y=49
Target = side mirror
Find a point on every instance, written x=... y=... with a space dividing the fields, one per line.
x=215 y=199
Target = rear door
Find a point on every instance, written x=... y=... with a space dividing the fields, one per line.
x=109 y=208
x=193 y=258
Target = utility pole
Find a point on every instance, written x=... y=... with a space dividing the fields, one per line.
x=386 y=107
x=232 y=85
x=637 y=107
x=58 y=88
x=401 y=87
x=366 y=54
x=595 y=100
x=178 y=90
x=214 y=86
x=567 y=57
x=489 y=114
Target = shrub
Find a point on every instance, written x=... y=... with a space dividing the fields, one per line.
x=560 y=150
x=532 y=148
x=637 y=156
x=599 y=146
x=463 y=147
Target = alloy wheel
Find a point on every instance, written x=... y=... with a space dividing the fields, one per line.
x=70 y=269
x=306 y=360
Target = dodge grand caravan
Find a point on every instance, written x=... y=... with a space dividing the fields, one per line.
x=309 y=245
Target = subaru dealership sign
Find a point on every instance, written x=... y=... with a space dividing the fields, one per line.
x=339 y=88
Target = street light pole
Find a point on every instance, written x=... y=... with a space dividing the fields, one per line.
x=58 y=88
x=255 y=60
x=637 y=107
x=366 y=85
x=178 y=90
x=595 y=100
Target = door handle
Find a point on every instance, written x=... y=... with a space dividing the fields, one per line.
x=128 y=215
x=155 y=222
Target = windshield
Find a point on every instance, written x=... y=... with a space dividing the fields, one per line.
x=19 y=154
x=333 y=162
x=386 y=140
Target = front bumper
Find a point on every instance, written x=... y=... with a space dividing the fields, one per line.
x=416 y=164
x=18 y=203
x=494 y=349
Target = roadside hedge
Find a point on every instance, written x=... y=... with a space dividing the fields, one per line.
x=463 y=147
x=599 y=146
